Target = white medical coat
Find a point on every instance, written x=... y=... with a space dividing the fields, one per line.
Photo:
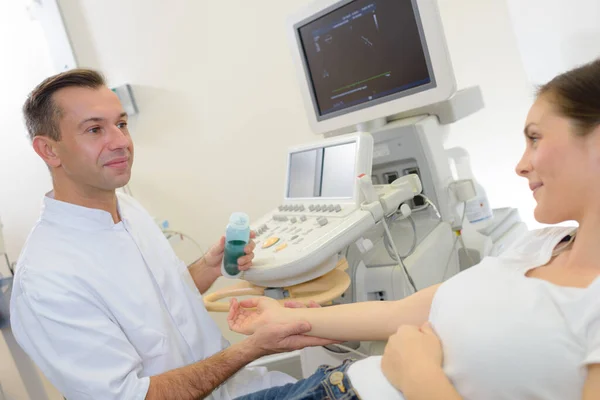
x=100 y=307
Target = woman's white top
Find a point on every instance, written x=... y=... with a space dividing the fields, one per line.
x=507 y=336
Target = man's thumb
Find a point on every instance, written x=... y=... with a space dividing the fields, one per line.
x=297 y=328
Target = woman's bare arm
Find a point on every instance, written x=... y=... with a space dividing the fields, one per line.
x=372 y=320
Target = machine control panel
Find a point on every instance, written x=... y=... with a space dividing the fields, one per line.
x=290 y=247
x=320 y=213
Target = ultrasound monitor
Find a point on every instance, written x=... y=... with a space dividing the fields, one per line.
x=362 y=60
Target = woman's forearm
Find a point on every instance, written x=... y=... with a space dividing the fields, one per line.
x=373 y=320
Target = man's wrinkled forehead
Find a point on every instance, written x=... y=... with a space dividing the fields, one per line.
x=76 y=104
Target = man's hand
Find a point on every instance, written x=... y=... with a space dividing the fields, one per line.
x=411 y=352
x=206 y=270
x=283 y=337
x=246 y=316
x=214 y=257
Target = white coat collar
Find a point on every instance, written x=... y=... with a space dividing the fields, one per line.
x=78 y=217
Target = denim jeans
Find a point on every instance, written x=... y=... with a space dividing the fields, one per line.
x=318 y=386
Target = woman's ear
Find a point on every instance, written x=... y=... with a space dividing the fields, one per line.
x=592 y=147
x=46 y=148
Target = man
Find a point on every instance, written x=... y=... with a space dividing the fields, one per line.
x=100 y=301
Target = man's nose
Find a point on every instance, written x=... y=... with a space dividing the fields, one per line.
x=118 y=139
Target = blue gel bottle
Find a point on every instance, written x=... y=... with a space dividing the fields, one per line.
x=237 y=236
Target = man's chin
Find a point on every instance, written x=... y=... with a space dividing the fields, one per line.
x=119 y=182
x=121 y=185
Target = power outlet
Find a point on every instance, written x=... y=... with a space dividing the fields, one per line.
x=376 y=296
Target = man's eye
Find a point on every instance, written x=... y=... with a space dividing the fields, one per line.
x=122 y=125
x=95 y=129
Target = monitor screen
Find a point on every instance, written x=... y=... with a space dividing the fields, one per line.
x=364 y=53
x=326 y=172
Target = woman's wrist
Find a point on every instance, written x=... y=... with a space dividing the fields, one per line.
x=287 y=315
x=291 y=315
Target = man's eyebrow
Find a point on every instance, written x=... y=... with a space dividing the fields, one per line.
x=99 y=119
x=92 y=119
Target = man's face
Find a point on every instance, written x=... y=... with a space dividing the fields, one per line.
x=95 y=150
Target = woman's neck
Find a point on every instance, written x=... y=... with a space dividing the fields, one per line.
x=585 y=252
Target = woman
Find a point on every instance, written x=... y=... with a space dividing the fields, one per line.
x=525 y=325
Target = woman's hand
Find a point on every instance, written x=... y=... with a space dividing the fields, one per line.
x=410 y=353
x=246 y=316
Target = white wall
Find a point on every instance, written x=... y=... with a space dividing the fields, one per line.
x=565 y=34
x=23 y=177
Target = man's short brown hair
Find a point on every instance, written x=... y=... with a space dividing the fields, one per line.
x=41 y=113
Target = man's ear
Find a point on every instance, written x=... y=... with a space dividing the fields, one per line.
x=46 y=148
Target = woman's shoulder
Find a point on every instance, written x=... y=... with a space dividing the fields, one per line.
x=536 y=240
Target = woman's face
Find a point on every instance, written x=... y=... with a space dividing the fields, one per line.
x=562 y=168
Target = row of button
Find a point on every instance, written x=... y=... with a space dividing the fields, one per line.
x=321 y=221
x=291 y=230
x=261 y=229
x=312 y=207
x=293 y=220
x=292 y=207
x=325 y=207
